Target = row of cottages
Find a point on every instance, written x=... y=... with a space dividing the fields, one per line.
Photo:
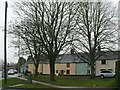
x=72 y=64
x=66 y=64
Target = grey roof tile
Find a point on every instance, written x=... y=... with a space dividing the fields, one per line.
x=73 y=58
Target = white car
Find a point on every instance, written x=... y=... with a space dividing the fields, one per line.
x=11 y=72
x=15 y=71
x=106 y=74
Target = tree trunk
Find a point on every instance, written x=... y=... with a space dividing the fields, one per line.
x=36 y=70
x=52 y=70
x=92 y=71
x=92 y=59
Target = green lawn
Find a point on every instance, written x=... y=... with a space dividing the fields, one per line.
x=0 y=83
x=15 y=81
x=63 y=81
x=78 y=81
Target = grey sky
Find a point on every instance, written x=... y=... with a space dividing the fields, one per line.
x=10 y=50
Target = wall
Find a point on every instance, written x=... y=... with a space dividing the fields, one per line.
x=110 y=64
x=31 y=68
x=81 y=68
x=46 y=69
x=59 y=67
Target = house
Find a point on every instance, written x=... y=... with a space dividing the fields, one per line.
x=31 y=68
x=107 y=61
x=71 y=64
x=24 y=67
x=66 y=64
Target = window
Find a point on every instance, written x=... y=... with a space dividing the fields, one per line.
x=106 y=72
x=68 y=65
x=88 y=71
x=110 y=70
x=103 y=61
x=62 y=72
x=102 y=69
x=68 y=72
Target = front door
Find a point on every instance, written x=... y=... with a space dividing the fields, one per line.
x=62 y=72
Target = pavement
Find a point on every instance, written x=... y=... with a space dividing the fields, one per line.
x=68 y=87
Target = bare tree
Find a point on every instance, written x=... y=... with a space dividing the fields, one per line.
x=46 y=24
x=25 y=29
x=55 y=23
x=94 y=31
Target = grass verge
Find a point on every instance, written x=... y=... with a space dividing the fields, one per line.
x=15 y=81
x=78 y=81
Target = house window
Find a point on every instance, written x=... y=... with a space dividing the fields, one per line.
x=62 y=72
x=68 y=71
x=68 y=65
x=110 y=70
x=103 y=61
x=102 y=69
x=88 y=71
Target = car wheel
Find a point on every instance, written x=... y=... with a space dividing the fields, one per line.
x=101 y=76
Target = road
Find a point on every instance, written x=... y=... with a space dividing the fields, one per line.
x=9 y=76
x=0 y=75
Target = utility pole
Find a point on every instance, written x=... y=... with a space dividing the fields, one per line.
x=118 y=43
x=5 y=45
x=119 y=25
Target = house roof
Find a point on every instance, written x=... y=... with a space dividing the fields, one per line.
x=25 y=64
x=66 y=58
x=74 y=58
x=109 y=55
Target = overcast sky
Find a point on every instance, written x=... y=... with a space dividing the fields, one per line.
x=10 y=50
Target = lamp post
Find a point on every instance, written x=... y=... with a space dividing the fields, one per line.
x=5 y=49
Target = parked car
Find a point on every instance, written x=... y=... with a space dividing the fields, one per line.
x=11 y=72
x=15 y=72
x=104 y=74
